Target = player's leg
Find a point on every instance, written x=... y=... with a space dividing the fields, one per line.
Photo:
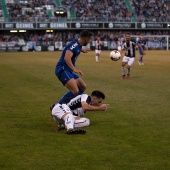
x=142 y=63
x=130 y=63
x=96 y=56
x=81 y=122
x=141 y=57
x=69 y=80
x=63 y=112
x=123 y=68
x=81 y=85
x=99 y=52
x=69 y=123
x=59 y=112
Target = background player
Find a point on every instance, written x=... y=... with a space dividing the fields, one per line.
x=119 y=43
x=142 y=42
x=70 y=112
x=98 y=44
x=66 y=70
x=129 y=57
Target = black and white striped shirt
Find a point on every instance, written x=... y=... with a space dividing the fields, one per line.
x=75 y=104
x=130 y=48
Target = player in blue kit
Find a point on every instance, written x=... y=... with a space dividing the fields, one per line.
x=66 y=70
x=142 y=44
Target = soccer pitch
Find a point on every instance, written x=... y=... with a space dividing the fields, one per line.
x=134 y=133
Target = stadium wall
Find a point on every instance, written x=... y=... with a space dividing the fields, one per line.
x=154 y=42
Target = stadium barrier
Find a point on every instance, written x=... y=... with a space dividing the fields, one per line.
x=156 y=42
x=84 y=25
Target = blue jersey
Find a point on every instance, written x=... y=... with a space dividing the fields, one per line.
x=142 y=43
x=75 y=48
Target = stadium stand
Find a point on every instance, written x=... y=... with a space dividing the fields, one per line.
x=151 y=10
x=98 y=10
x=83 y=10
x=86 y=10
x=30 y=10
x=90 y=11
x=1 y=13
x=4 y=12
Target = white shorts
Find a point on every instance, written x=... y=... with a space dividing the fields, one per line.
x=60 y=110
x=128 y=60
x=97 y=51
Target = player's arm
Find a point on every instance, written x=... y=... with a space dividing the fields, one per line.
x=121 y=49
x=67 y=58
x=87 y=107
x=85 y=50
x=146 y=47
x=101 y=43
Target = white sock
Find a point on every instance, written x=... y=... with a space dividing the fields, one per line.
x=97 y=58
x=69 y=121
x=82 y=122
x=123 y=71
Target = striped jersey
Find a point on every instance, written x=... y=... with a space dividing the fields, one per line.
x=75 y=104
x=97 y=45
x=130 y=48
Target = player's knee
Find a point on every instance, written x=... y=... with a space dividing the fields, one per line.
x=88 y=122
x=84 y=87
x=75 y=91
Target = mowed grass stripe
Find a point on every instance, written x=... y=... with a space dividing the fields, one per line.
x=132 y=134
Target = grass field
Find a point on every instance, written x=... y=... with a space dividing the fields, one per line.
x=134 y=133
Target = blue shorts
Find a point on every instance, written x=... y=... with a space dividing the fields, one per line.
x=65 y=75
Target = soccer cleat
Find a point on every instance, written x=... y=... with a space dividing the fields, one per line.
x=76 y=131
x=142 y=64
x=123 y=77
x=52 y=106
x=128 y=76
x=139 y=63
x=60 y=126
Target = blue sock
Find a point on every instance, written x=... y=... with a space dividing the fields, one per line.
x=141 y=59
x=80 y=91
x=69 y=95
x=66 y=96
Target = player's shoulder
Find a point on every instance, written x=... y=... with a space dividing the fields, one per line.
x=84 y=95
x=86 y=98
x=72 y=45
x=123 y=42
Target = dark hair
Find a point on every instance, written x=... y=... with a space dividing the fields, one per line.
x=98 y=94
x=128 y=33
x=85 y=34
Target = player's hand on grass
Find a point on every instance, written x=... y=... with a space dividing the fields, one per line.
x=85 y=50
x=104 y=107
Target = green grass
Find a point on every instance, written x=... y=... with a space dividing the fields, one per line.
x=134 y=133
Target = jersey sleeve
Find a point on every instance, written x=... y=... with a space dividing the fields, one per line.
x=123 y=46
x=84 y=97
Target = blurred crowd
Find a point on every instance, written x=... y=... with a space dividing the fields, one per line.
x=30 y=11
x=99 y=10
x=89 y=10
x=151 y=10
x=66 y=36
